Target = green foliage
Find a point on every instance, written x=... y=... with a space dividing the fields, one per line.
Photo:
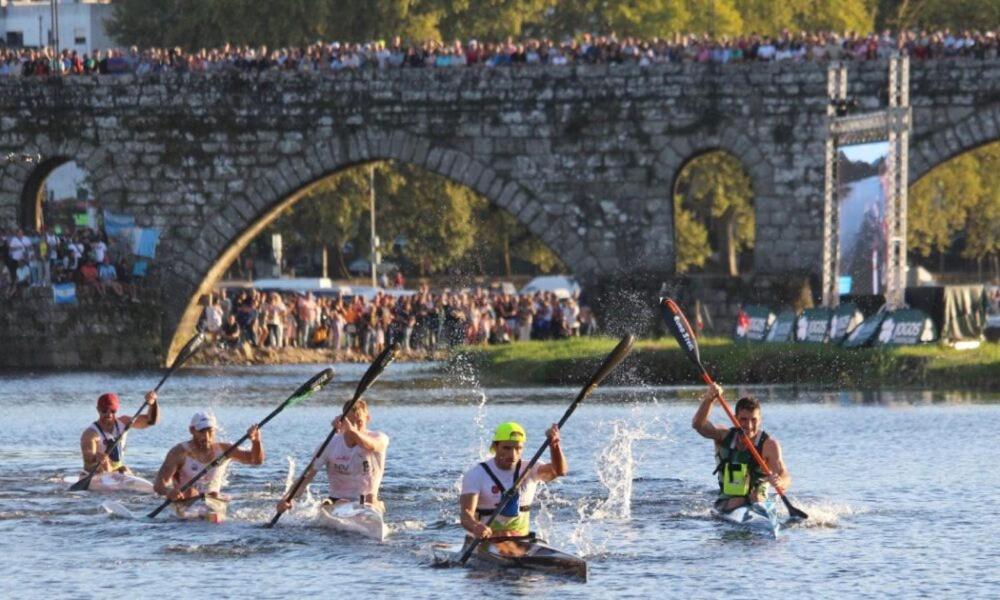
x=661 y=362
x=718 y=193
x=934 y=14
x=959 y=200
x=691 y=239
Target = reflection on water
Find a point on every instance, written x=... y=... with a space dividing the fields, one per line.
x=893 y=482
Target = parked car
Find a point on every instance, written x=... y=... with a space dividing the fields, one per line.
x=563 y=286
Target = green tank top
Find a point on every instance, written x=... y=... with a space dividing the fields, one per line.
x=739 y=474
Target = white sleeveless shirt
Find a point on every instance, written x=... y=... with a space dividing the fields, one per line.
x=104 y=440
x=352 y=472
x=211 y=481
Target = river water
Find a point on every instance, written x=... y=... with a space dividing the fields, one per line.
x=899 y=486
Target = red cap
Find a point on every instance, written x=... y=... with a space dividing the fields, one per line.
x=107 y=401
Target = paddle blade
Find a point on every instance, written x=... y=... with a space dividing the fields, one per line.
x=83 y=484
x=613 y=360
x=310 y=387
x=679 y=326
x=375 y=369
x=190 y=349
x=796 y=513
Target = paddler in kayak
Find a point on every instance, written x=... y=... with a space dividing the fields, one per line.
x=354 y=461
x=108 y=427
x=485 y=483
x=187 y=459
x=741 y=480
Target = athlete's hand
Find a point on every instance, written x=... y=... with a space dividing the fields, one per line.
x=284 y=505
x=176 y=495
x=482 y=531
x=151 y=397
x=553 y=434
x=103 y=462
x=714 y=391
x=254 y=434
x=774 y=480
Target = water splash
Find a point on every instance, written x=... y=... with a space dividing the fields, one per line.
x=616 y=464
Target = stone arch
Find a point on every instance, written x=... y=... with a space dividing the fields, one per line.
x=248 y=211
x=24 y=179
x=681 y=151
x=977 y=129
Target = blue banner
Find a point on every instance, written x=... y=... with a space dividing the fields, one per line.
x=144 y=241
x=116 y=224
x=64 y=293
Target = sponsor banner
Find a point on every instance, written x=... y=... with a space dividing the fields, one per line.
x=846 y=318
x=782 y=328
x=813 y=325
x=64 y=293
x=752 y=323
x=905 y=327
x=864 y=334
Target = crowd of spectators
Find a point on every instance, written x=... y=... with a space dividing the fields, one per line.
x=418 y=321
x=334 y=56
x=85 y=257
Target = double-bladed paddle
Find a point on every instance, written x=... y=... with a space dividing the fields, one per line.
x=314 y=384
x=681 y=329
x=613 y=359
x=374 y=370
x=189 y=350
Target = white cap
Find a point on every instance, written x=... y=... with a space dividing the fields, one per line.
x=202 y=420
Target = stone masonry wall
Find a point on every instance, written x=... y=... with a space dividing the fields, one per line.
x=585 y=156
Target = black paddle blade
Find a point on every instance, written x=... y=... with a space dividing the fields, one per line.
x=613 y=359
x=313 y=385
x=679 y=326
x=796 y=513
x=190 y=349
x=83 y=484
x=375 y=369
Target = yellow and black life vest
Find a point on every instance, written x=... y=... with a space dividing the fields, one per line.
x=738 y=472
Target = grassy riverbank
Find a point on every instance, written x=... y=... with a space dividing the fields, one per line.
x=661 y=362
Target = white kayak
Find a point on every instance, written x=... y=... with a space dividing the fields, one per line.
x=116 y=482
x=203 y=508
x=759 y=516
x=352 y=517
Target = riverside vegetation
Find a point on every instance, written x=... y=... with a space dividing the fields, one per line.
x=661 y=362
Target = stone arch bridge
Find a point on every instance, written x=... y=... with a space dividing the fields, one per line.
x=586 y=156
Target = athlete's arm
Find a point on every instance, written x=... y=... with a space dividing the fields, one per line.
x=366 y=439
x=152 y=415
x=92 y=457
x=166 y=477
x=700 y=422
x=780 y=477
x=467 y=504
x=559 y=466
x=253 y=456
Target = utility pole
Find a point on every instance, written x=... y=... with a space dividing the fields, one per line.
x=55 y=26
x=373 y=256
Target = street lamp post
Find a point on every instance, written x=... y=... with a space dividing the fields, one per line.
x=373 y=253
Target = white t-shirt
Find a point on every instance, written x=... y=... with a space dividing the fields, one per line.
x=353 y=472
x=477 y=481
x=18 y=246
x=99 y=249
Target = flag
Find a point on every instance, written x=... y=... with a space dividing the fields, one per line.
x=144 y=241
x=64 y=293
x=742 y=323
x=115 y=224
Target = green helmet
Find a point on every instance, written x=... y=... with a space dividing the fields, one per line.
x=510 y=432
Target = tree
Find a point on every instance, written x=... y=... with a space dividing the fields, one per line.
x=939 y=204
x=330 y=215
x=717 y=191
x=692 y=249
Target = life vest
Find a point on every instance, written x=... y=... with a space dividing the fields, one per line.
x=517 y=517
x=117 y=456
x=739 y=474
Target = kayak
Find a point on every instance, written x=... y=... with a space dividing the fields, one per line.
x=521 y=553
x=353 y=517
x=116 y=482
x=202 y=508
x=760 y=517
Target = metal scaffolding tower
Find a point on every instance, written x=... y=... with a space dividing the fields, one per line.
x=892 y=125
